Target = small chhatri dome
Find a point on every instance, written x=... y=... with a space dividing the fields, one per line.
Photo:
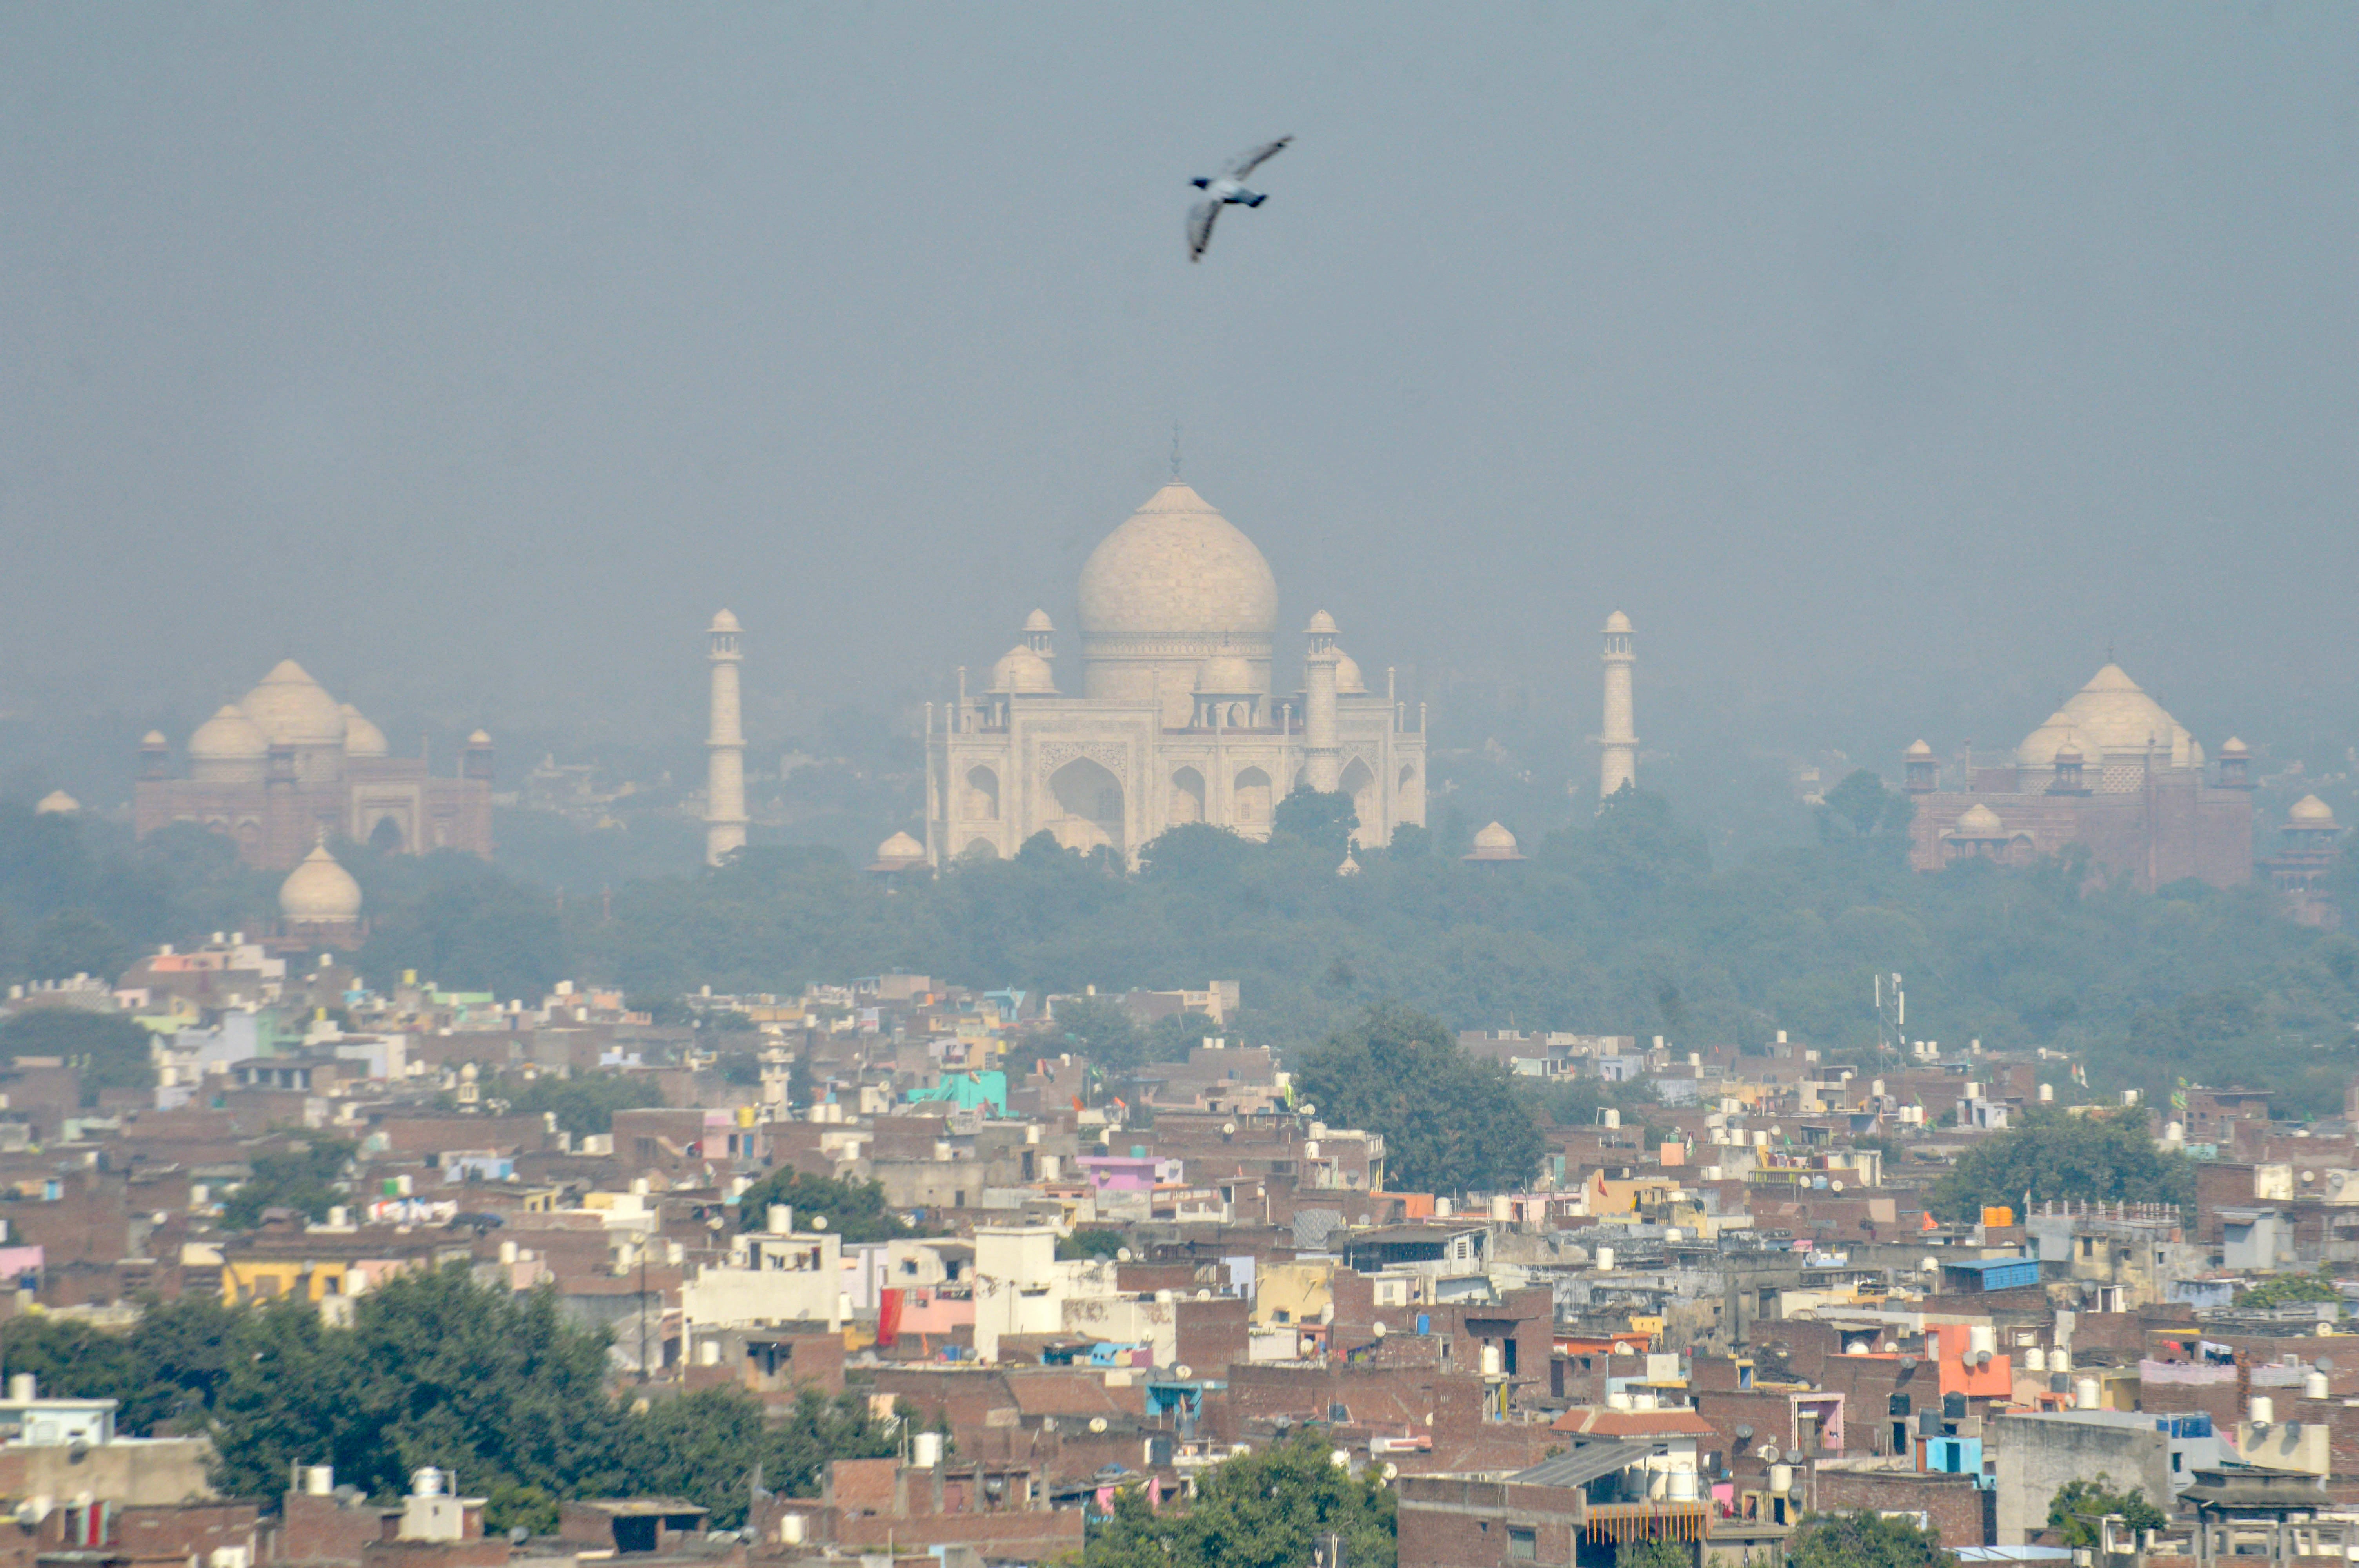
x=2311 y=812
x=1920 y=751
x=1224 y=674
x=1350 y=866
x=1021 y=669
x=362 y=739
x=1979 y=821
x=293 y=710
x=1617 y=621
x=152 y=741
x=1493 y=842
x=320 y=892
x=1039 y=622
x=479 y=738
x=2069 y=752
x=1348 y=680
x=57 y=803
x=2235 y=748
x=724 y=621
x=1320 y=623
x=899 y=853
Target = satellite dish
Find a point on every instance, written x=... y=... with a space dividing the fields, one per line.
x=819 y=1222
x=1311 y=1110
x=1097 y=1423
x=1835 y=1186
x=1379 y=1331
x=1909 y=1363
x=1744 y=1434
x=2324 y=1363
x=1184 y=1370
x=1229 y=1127
x=1793 y=1457
x=1768 y=1451
x=1122 y=1254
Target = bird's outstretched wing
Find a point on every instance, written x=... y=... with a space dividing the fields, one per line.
x=1245 y=163
x=1200 y=227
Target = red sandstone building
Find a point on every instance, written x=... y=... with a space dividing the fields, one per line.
x=286 y=766
x=2110 y=771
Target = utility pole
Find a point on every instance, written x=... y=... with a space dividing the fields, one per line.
x=642 y=1309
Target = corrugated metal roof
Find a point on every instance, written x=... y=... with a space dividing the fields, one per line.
x=1583 y=1465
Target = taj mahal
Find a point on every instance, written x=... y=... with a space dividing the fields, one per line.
x=1172 y=716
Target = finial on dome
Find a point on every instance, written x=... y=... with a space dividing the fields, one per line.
x=1175 y=449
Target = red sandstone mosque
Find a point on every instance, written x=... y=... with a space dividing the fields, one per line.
x=2110 y=770
x=286 y=766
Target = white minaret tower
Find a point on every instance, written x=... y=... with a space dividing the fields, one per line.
x=1322 y=761
x=1619 y=763
x=725 y=749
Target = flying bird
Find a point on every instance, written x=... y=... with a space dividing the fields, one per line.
x=1227 y=190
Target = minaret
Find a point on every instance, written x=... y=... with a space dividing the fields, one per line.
x=725 y=749
x=1619 y=763
x=1322 y=761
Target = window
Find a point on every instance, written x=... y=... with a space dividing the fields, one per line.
x=1522 y=1544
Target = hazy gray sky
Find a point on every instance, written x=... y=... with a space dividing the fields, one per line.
x=1875 y=358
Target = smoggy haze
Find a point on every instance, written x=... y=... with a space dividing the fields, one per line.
x=1885 y=363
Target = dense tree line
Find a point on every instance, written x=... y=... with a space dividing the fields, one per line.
x=2053 y=1155
x=1451 y=1124
x=436 y=1369
x=1620 y=926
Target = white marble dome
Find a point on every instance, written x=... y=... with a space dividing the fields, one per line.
x=1178 y=568
x=293 y=710
x=362 y=739
x=320 y=892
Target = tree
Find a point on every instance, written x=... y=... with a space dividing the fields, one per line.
x=1323 y=820
x=164 y=1371
x=585 y=1103
x=1864 y=1539
x=1091 y=1243
x=854 y=1210
x=1864 y=805
x=2074 y=1512
x=1098 y=1029
x=108 y=1050
x=1652 y=1554
x=1264 y=1509
x=2054 y=1154
x=303 y=1176
x=2289 y=1289
x=1451 y=1124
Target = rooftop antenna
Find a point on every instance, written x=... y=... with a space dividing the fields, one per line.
x=1175 y=449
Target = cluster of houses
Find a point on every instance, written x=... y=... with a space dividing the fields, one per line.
x=1714 y=1312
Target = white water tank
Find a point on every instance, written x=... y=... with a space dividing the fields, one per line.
x=23 y=1387
x=1683 y=1486
x=2035 y=1359
x=1500 y=1207
x=708 y=1353
x=2315 y=1386
x=2084 y=1394
x=790 y=1530
x=926 y=1450
x=1494 y=1365
x=2265 y=1409
x=1643 y=1399
x=319 y=1480
x=508 y=1251
x=1781 y=1478
x=1981 y=1337
x=1619 y=1399
x=1441 y=1208
x=1611 y=1118
x=2174 y=1132
x=2047 y=1093
x=1604 y=1257
x=779 y=1218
